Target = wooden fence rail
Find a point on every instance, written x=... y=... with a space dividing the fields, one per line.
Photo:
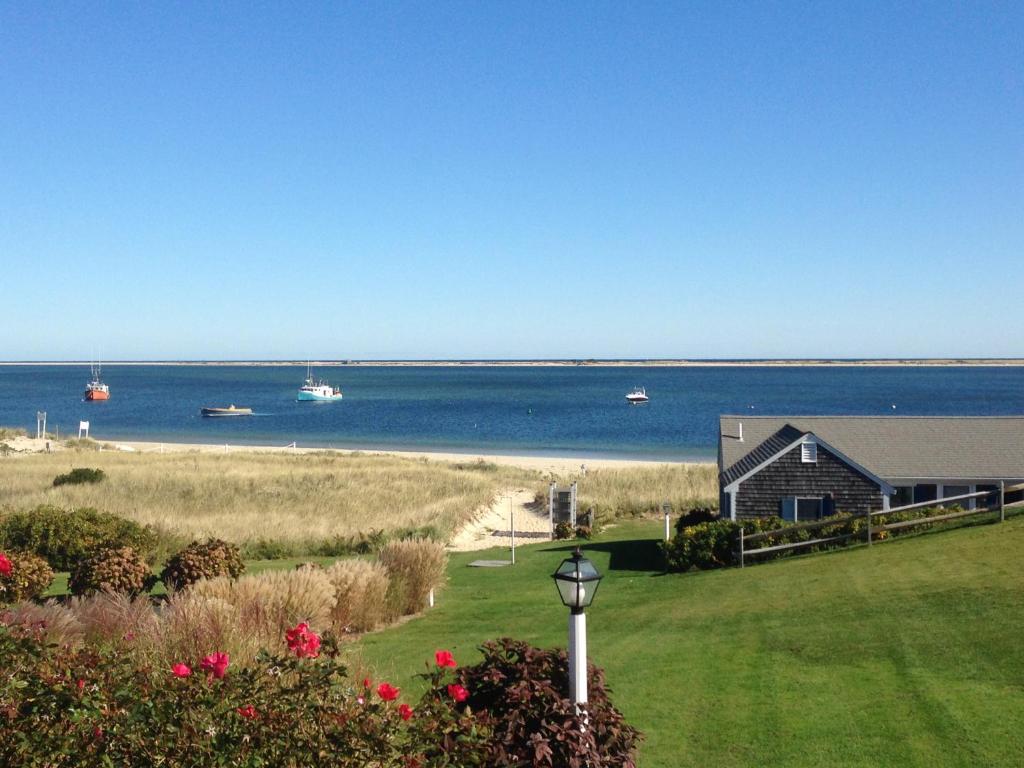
x=997 y=504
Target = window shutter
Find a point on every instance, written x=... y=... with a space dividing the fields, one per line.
x=789 y=508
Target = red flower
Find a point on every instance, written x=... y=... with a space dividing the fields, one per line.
x=366 y=683
x=303 y=642
x=5 y=565
x=444 y=659
x=216 y=664
x=387 y=691
x=181 y=670
x=248 y=712
x=457 y=692
x=405 y=711
x=81 y=685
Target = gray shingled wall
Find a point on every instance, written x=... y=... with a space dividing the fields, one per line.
x=761 y=494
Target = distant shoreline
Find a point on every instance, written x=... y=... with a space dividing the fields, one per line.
x=588 y=363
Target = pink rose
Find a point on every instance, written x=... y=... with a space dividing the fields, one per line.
x=216 y=664
x=457 y=692
x=445 y=659
x=5 y=565
x=387 y=691
x=181 y=670
x=248 y=712
x=405 y=711
x=303 y=642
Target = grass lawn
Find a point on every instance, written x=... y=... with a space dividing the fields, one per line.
x=906 y=654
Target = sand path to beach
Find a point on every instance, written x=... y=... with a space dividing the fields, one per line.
x=491 y=527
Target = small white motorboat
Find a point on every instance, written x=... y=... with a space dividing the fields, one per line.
x=637 y=396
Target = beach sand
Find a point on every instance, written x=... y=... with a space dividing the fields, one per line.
x=559 y=465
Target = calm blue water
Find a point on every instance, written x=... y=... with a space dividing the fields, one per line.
x=568 y=410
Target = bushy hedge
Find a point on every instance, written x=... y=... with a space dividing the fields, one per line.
x=716 y=544
x=61 y=706
x=695 y=516
x=63 y=537
x=111 y=569
x=202 y=560
x=80 y=475
x=524 y=691
x=23 y=576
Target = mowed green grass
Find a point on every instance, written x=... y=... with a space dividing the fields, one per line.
x=910 y=653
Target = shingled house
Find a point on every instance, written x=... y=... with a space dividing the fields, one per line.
x=808 y=467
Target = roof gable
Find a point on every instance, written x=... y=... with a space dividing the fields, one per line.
x=894 y=447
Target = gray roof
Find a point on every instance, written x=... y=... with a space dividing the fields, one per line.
x=892 y=447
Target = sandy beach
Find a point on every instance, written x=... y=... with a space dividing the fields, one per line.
x=561 y=465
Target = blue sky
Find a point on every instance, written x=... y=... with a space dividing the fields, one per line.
x=423 y=180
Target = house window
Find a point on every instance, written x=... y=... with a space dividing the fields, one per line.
x=904 y=495
x=809 y=453
x=802 y=509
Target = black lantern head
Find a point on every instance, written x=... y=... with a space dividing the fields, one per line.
x=577 y=580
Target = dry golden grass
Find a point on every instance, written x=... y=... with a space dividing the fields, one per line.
x=251 y=497
x=642 y=490
x=416 y=567
x=361 y=589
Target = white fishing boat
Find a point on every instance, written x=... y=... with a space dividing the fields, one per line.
x=317 y=390
x=637 y=396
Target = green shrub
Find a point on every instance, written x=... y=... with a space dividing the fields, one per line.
x=563 y=531
x=80 y=475
x=202 y=560
x=81 y=444
x=29 y=577
x=705 y=545
x=64 y=537
x=523 y=689
x=114 y=569
x=696 y=516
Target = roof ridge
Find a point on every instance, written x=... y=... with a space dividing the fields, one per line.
x=871 y=416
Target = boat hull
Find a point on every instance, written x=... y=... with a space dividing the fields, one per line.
x=93 y=395
x=316 y=398
x=221 y=412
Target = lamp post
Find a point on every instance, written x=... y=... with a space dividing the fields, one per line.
x=577 y=580
x=666 y=508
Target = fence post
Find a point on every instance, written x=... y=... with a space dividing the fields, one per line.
x=869 y=526
x=1002 y=500
x=741 y=545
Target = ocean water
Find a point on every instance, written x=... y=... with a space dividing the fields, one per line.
x=577 y=411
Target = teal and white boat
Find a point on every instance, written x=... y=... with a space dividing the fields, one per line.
x=317 y=390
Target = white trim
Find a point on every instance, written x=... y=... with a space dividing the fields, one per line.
x=811 y=437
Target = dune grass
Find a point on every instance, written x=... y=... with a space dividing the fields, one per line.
x=252 y=497
x=275 y=504
x=638 y=491
x=904 y=654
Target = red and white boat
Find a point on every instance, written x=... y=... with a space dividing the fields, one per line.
x=96 y=389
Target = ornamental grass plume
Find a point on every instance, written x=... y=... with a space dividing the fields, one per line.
x=361 y=589
x=192 y=624
x=51 y=621
x=418 y=566
x=116 y=618
x=271 y=603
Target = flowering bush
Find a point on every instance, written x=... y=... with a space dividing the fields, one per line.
x=202 y=560
x=23 y=576
x=119 y=570
x=90 y=707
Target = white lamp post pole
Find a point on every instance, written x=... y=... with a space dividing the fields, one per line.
x=578 y=658
x=577 y=580
x=667 y=509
